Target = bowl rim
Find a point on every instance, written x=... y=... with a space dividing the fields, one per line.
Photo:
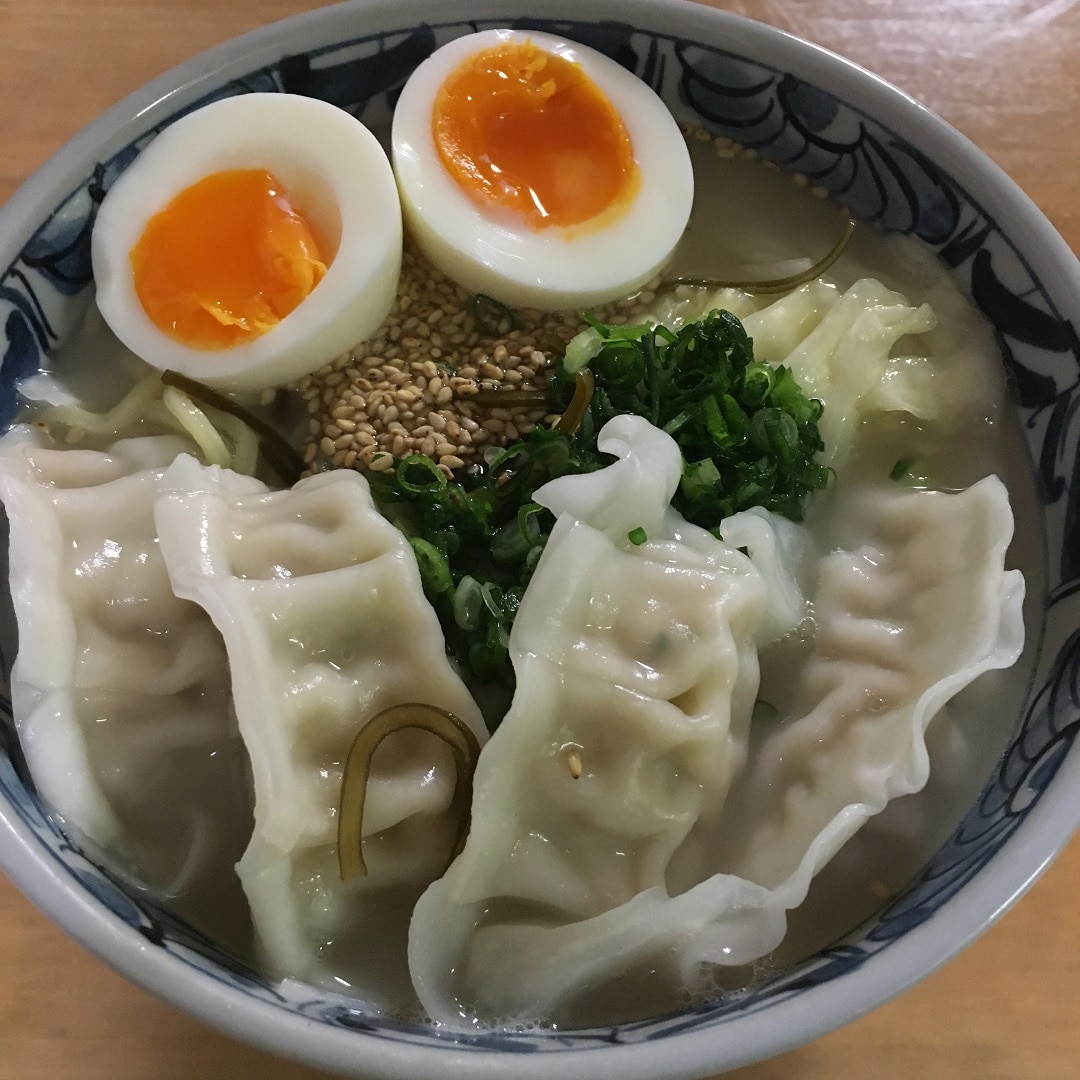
x=686 y=1054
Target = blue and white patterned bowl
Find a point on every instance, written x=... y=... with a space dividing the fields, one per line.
x=894 y=164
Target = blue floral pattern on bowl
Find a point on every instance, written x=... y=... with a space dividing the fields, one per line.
x=882 y=179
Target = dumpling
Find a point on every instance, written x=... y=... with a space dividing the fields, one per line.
x=120 y=690
x=320 y=603
x=868 y=350
x=840 y=347
x=913 y=608
x=689 y=831
x=636 y=676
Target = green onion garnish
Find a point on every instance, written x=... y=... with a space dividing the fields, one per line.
x=747 y=432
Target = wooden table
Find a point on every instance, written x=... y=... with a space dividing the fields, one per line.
x=1005 y=74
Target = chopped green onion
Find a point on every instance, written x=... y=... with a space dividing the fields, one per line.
x=468 y=602
x=620 y=363
x=637 y=536
x=418 y=473
x=747 y=433
x=509 y=544
x=528 y=520
x=495 y=601
x=714 y=421
x=434 y=567
x=699 y=478
x=758 y=381
x=774 y=431
x=582 y=349
x=675 y=423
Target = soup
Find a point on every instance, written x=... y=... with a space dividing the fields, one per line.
x=646 y=809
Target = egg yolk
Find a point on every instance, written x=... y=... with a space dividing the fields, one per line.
x=227 y=259
x=529 y=132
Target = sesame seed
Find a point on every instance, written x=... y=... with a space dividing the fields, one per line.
x=388 y=397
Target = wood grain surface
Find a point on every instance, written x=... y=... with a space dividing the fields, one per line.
x=1004 y=72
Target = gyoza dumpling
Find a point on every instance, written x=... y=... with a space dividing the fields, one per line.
x=120 y=690
x=907 y=613
x=682 y=844
x=321 y=606
x=636 y=676
x=868 y=350
x=840 y=348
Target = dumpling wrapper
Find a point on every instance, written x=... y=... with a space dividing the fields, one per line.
x=321 y=606
x=120 y=690
x=674 y=852
x=640 y=663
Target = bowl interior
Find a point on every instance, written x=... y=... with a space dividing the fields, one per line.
x=894 y=166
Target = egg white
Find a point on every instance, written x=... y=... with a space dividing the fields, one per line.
x=556 y=267
x=334 y=171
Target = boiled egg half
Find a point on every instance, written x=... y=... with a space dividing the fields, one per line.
x=251 y=242
x=539 y=171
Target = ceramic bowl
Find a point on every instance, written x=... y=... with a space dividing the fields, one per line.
x=895 y=165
